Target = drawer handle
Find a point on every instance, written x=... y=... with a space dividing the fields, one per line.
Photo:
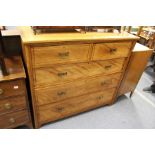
x=113 y=50
x=8 y=106
x=61 y=93
x=62 y=74
x=63 y=54
x=12 y=120
x=60 y=109
x=100 y=97
x=108 y=67
x=106 y=82
x=1 y=91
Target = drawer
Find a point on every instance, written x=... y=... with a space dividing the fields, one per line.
x=12 y=104
x=81 y=87
x=15 y=119
x=59 y=74
x=73 y=106
x=12 y=88
x=49 y=55
x=106 y=51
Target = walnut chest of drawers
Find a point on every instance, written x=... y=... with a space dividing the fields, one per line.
x=14 y=105
x=73 y=73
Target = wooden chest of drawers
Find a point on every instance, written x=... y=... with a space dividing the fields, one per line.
x=14 y=107
x=73 y=73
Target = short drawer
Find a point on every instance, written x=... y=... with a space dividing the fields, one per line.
x=49 y=55
x=12 y=104
x=73 y=106
x=81 y=87
x=58 y=74
x=15 y=119
x=106 y=51
x=12 y=88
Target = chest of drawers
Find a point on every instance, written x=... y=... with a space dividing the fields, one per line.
x=14 y=105
x=73 y=73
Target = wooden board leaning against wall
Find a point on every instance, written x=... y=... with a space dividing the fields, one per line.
x=137 y=64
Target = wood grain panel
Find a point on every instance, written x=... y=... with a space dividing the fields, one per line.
x=48 y=55
x=106 y=51
x=12 y=120
x=135 y=68
x=12 y=104
x=58 y=74
x=12 y=88
x=66 y=108
x=80 y=87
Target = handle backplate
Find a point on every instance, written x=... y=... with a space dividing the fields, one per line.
x=108 y=67
x=113 y=50
x=12 y=120
x=61 y=74
x=1 y=91
x=61 y=93
x=8 y=106
x=63 y=54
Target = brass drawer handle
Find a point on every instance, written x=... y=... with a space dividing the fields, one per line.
x=100 y=97
x=1 y=91
x=108 y=67
x=12 y=120
x=62 y=74
x=61 y=93
x=8 y=106
x=113 y=50
x=60 y=109
x=106 y=82
x=63 y=54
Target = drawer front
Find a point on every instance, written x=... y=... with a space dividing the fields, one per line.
x=81 y=87
x=12 y=104
x=12 y=120
x=66 y=108
x=106 y=51
x=64 y=73
x=11 y=88
x=45 y=56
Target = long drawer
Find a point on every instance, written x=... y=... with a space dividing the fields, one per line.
x=106 y=51
x=11 y=88
x=12 y=104
x=58 y=74
x=14 y=119
x=72 y=106
x=49 y=55
x=81 y=87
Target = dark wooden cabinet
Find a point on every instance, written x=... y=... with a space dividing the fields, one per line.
x=14 y=104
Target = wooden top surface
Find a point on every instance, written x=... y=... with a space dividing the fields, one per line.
x=141 y=48
x=12 y=32
x=29 y=37
x=15 y=68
